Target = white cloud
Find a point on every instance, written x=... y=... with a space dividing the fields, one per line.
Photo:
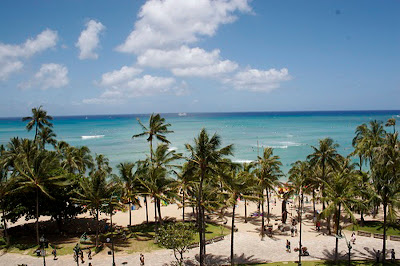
x=187 y=61
x=49 y=76
x=259 y=80
x=118 y=76
x=124 y=84
x=11 y=54
x=171 y=23
x=89 y=40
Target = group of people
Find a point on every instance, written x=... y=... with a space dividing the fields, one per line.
x=78 y=254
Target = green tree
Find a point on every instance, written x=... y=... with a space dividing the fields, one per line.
x=46 y=136
x=129 y=185
x=391 y=123
x=205 y=156
x=39 y=120
x=268 y=173
x=178 y=237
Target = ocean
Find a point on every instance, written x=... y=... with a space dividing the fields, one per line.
x=291 y=134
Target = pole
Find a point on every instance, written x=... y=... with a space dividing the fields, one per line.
x=300 y=221
x=44 y=257
x=349 y=253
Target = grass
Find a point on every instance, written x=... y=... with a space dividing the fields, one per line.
x=376 y=227
x=139 y=238
x=321 y=263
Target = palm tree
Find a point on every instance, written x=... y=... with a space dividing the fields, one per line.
x=46 y=135
x=4 y=191
x=84 y=159
x=95 y=190
x=156 y=129
x=391 y=123
x=185 y=180
x=236 y=184
x=39 y=120
x=127 y=176
x=205 y=157
x=339 y=192
x=324 y=156
x=249 y=174
x=386 y=173
x=268 y=173
x=299 y=177
x=36 y=174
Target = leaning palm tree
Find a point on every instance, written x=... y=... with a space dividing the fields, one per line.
x=36 y=174
x=268 y=173
x=39 y=120
x=323 y=157
x=205 y=157
x=46 y=136
x=391 y=123
x=156 y=129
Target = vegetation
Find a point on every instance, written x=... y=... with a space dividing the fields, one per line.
x=46 y=177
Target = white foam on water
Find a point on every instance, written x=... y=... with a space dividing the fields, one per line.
x=92 y=137
x=242 y=161
x=172 y=148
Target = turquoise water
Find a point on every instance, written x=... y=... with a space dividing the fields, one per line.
x=291 y=134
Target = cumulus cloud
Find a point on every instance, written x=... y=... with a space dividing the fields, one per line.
x=49 y=76
x=259 y=80
x=12 y=54
x=171 y=23
x=125 y=83
x=119 y=76
x=89 y=40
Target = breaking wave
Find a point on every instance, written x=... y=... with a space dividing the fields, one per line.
x=92 y=137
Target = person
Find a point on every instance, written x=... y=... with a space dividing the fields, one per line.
x=378 y=255
x=288 y=246
x=292 y=231
x=318 y=225
x=353 y=238
x=54 y=252
x=89 y=254
x=81 y=255
x=393 y=257
x=141 y=259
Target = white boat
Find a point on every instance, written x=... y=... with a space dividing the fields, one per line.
x=182 y=114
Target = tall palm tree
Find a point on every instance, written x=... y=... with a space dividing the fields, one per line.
x=386 y=175
x=156 y=129
x=4 y=191
x=247 y=171
x=130 y=185
x=84 y=159
x=268 y=173
x=39 y=120
x=236 y=184
x=46 y=135
x=36 y=174
x=324 y=156
x=339 y=192
x=205 y=156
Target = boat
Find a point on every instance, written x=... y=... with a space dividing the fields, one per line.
x=182 y=114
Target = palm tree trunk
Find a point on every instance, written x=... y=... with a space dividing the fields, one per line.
x=37 y=216
x=5 y=227
x=36 y=131
x=268 y=205
x=97 y=227
x=183 y=206
x=313 y=201
x=262 y=215
x=159 y=211
x=147 y=210
x=337 y=233
x=200 y=218
x=130 y=213
x=232 y=233
x=155 y=210
x=245 y=210
x=384 y=233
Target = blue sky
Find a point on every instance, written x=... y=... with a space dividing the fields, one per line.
x=108 y=57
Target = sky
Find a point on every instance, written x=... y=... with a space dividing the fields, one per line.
x=169 y=56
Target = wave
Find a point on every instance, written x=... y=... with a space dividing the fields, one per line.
x=242 y=161
x=92 y=137
x=280 y=144
x=172 y=148
x=279 y=147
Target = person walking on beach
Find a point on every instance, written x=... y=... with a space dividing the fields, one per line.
x=141 y=259
x=393 y=257
x=89 y=254
x=54 y=252
x=378 y=255
x=288 y=246
x=318 y=225
x=353 y=238
x=292 y=231
x=81 y=255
